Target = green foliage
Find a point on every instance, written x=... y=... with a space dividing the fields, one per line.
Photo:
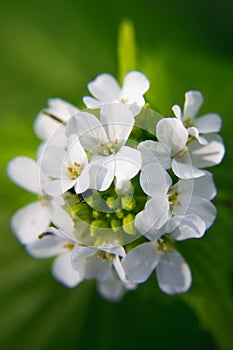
x=126 y=49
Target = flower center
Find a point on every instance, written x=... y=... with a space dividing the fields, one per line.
x=173 y=199
x=182 y=152
x=162 y=245
x=109 y=148
x=74 y=172
x=122 y=99
x=188 y=122
x=104 y=256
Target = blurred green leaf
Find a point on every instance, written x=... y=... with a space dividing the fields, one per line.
x=126 y=49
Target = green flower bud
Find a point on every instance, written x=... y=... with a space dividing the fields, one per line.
x=128 y=203
x=119 y=214
x=115 y=224
x=96 y=226
x=128 y=224
x=96 y=214
x=112 y=202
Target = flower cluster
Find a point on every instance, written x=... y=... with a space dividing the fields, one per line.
x=118 y=185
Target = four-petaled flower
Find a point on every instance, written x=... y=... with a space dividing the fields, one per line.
x=207 y=124
x=105 y=139
x=186 y=158
x=106 y=90
x=68 y=168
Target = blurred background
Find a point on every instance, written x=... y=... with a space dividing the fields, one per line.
x=53 y=48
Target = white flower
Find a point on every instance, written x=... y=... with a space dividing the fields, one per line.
x=32 y=220
x=106 y=138
x=99 y=262
x=184 y=207
x=173 y=273
x=106 y=89
x=68 y=168
x=49 y=120
x=52 y=243
x=185 y=158
x=209 y=123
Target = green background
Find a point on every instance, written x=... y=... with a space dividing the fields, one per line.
x=53 y=48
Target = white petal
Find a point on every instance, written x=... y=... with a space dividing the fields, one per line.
x=208 y=155
x=112 y=290
x=45 y=126
x=185 y=227
x=155 y=152
x=119 y=268
x=81 y=253
x=112 y=249
x=59 y=216
x=76 y=151
x=135 y=104
x=202 y=186
x=64 y=273
x=135 y=84
x=25 y=172
x=98 y=269
x=140 y=262
x=193 y=102
x=104 y=87
x=83 y=181
x=209 y=123
x=173 y=134
x=154 y=216
x=177 y=111
x=145 y=227
x=56 y=137
x=118 y=122
x=63 y=109
x=154 y=180
x=204 y=209
x=89 y=130
x=157 y=210
x=122 y=185
x=54 y=161
x=29 y=222
x=184 y=168
x=173 y=273
x=56 y=188
x=91 y=102
x=101 y=171
x=193 y=131
x=127 y=163
x=47 y=246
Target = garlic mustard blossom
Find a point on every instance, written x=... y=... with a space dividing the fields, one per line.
x=184 y=206
x=173 y=273
x=53 y=117
x=196 y=126
x=105 y=139
x=31 y=220
x=98 y=262
x=52 y=243
x=174 y=150
x=106 y=90
x=68 y=168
